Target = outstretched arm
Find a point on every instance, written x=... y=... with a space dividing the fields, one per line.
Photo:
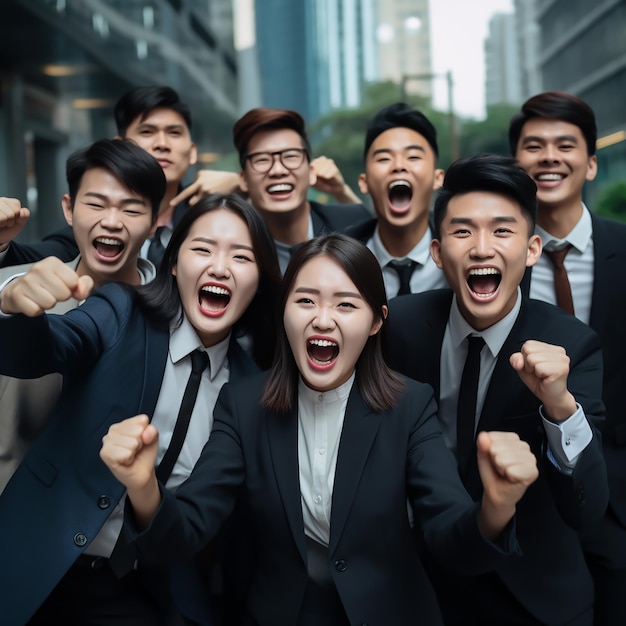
x=330 y=181
x=206 y=183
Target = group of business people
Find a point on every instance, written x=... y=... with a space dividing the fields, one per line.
x=302 y=488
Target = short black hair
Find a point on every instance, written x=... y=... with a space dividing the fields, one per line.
x=557 y=105
x=130 y=164
x=487 y=172
x=141 y=101
x=400 y=115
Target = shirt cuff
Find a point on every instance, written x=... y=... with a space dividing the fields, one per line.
x=567 y=439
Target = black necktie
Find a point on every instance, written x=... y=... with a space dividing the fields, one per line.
x=199 y=361
x=123 y=557
x=561 y=281
x=466 y=410
x=404 y=269
x=156 y=250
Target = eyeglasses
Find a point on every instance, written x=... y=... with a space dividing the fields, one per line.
x=291 y=159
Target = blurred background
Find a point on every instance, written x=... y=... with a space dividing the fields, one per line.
x=467 y=64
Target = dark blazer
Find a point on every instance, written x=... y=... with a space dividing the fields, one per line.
x=383 y=459
x=112 y=361
x=363 y=231
x=551 y=581
x=608 y=308
x=60 y=243
x=335 y=218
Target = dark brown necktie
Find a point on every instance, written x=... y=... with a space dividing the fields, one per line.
x=561 y=281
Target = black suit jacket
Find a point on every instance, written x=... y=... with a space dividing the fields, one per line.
x=383 y=459
x=335 y=218
x=608 y=308
x=551 y=581
x=112 y=360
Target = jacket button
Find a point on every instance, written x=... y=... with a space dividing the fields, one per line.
x=103 y=502
x=80 y=539
x=341 y=565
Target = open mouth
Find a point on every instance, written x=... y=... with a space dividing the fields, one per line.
x=108 y=247
x=400 y=194
x=280 y=189
x=213 y=299
x=322 y=351
x=484 y=282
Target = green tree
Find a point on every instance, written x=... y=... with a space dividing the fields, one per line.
x=490 y=134
x=612 y=201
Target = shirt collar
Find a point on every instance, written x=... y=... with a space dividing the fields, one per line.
x=340 y=393
x=578 y=237
x=419 y=254
x=494 y=336
x=184 y=340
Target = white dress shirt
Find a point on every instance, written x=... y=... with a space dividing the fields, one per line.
x=320 y=421
x=566 y=439
x=183 y=341
x=578 y=263
x=426 y=275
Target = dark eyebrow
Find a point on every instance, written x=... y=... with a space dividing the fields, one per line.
x=534 y=138
x=405 y=149
x=496 y=220
x=105 y=198
x=234 y=246
x=337 y=294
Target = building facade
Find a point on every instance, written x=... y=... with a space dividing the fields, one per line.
x=583 y=51
x=64 y=63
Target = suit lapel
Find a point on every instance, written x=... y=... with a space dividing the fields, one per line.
x=157 y=343
x=283 y=439
x=357 y=436
x=430 y=351
x=604 y=250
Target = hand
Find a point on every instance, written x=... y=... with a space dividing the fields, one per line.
x=13 y=218
x=206 y=183
x=544 y=369
x=129 y=450
x=46 y=283
x=507 y=467
x=330 y=181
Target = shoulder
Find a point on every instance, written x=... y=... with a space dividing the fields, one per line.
x=435 y=299
x=362 y=230
x=555 y=325
x=339 y=216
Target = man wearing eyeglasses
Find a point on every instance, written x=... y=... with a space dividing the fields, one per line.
x=276 y=173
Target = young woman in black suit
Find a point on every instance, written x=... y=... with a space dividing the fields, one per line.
x=327 y=449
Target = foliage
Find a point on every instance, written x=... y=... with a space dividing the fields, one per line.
x=340 y=134
x=612 y=201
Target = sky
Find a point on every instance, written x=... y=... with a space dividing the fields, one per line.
x=458 y=31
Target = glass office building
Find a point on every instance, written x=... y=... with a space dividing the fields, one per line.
x=64 y=63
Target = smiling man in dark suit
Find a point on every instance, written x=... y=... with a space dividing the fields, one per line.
x=553 y=137
x=540 y=376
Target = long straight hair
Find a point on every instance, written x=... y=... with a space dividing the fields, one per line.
x=378 y=384
x=160 y=299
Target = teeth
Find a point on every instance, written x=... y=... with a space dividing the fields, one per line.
x=399 y=183
x=282 y=187
x=322 y=343
x=219 y=291
x=484 y=271
x=547 y=177
x=109 y=242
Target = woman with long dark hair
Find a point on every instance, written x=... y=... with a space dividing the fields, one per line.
x=121 y=352
x=327 y=450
